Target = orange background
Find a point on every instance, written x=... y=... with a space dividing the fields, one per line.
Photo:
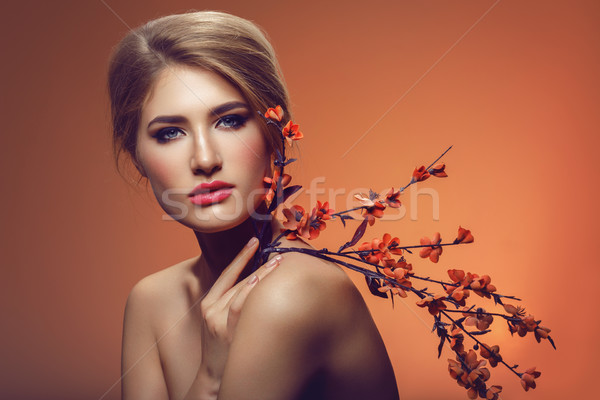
x=517 y=96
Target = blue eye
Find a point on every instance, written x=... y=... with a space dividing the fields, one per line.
x=167 y=134
x=232 y=121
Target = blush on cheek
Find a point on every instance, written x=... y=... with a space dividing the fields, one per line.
x=253 y=154
x=161 y=171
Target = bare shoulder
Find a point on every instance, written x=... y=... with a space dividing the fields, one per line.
x=310 y=310
x=314 y=295
x=155 y=295
x=149 y=306
x=163 y=281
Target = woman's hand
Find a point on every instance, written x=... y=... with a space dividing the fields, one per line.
x=221 y=308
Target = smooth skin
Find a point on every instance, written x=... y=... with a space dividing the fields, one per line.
x=303 y=332
x=207 y=328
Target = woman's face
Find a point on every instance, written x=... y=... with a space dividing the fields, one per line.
x=200 y=146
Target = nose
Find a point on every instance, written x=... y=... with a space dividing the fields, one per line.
x=206 y=158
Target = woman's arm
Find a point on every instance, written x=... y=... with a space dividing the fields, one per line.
x=143 y=374
x=304 y=320
x=141 y=371
x=221 y=308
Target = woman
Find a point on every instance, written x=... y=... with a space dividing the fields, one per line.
x=185 y=91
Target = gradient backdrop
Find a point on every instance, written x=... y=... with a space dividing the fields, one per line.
x=513 y=85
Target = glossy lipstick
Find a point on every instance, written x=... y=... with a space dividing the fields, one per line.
x=210 y=193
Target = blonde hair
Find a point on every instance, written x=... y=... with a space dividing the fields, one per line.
x=230 y=46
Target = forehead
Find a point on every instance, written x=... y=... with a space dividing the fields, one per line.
x=180 y=89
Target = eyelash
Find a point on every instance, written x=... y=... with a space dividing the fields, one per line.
x=229 y=122
x=237 y=121
x=161 y=135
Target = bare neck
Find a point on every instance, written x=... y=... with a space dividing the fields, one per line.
x=220 y=248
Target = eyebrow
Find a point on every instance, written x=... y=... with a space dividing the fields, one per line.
x=232 y=105
x=218 y=110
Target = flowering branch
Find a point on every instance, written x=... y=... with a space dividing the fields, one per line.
x=387 y=275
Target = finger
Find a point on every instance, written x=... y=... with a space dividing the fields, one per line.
x=230 y=274
x=237 y=302
x=238 y=297
x=265 y=269
x=230 y=305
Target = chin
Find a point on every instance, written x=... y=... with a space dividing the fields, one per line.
x=210 y=219
x=216 y=217
x=213 y=226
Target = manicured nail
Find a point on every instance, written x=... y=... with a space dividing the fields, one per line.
x=251 y=242
x=275 y=261
x=253 y=280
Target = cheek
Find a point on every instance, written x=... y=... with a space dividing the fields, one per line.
x=254 y=156
x=161 y=169
x=253 y=163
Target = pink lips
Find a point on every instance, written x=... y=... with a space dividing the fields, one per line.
x=211 y=193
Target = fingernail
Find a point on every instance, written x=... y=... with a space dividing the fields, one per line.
x=253 y=280
x=251 y=242
x=275 y=261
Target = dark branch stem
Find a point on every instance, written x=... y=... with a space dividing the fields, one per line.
x=438 y=159
x=506 y=317
x=347 y=211
x=363 y=252
x=479 y=342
